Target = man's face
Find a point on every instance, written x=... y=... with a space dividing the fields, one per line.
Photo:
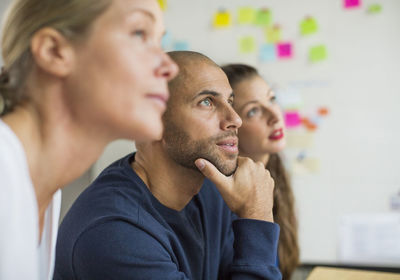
x=200 y=121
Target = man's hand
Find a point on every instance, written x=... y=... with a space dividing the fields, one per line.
x=248 y=192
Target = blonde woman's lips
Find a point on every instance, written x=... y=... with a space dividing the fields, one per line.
x=159 y=98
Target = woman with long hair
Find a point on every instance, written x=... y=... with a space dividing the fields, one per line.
x=77 y=74
x=262 y=137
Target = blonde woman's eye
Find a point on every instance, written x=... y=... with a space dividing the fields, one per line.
x=139 y=33
x=253 y=112
x=272 y=99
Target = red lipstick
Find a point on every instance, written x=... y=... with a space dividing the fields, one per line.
x=277 y=134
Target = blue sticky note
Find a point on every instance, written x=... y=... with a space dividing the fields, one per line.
x=166 y=41
x=181 y=46
x=268 y=53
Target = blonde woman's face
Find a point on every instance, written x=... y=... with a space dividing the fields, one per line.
x=120 y=80
x=262 y=131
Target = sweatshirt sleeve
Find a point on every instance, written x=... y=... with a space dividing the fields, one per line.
x=118 y=250
x=254 y=251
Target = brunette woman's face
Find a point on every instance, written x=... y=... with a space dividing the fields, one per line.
x=119 y=85
x=262 y=131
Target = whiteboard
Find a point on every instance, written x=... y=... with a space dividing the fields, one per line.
x=357 y=144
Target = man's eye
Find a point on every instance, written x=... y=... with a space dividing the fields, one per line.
x=206 y=102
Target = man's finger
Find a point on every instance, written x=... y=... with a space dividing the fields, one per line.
x=212 y=173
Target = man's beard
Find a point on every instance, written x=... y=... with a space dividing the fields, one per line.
x=184 y=151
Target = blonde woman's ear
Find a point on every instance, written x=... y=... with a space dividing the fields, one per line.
x=52 y=52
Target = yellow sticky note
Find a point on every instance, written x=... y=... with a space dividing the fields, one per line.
x=306 y=166
x=163 y=4
x=302 y=140
x=308 y=26
x=273 y=34
x=263 y=17
x=318 y=53
x=222 y=19
x=247 y=44
x=246 y=15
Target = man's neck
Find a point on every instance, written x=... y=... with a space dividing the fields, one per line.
x=172 y=184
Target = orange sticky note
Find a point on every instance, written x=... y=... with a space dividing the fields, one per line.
x=323 y=111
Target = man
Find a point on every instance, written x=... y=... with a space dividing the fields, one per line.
x=153 y=215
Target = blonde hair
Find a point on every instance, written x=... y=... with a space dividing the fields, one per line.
x=72 y=18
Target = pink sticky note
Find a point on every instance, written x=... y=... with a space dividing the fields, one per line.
x=348 y=4
x=292 y=119
x=284 y=50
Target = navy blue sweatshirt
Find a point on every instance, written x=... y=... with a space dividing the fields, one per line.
x=117 y=229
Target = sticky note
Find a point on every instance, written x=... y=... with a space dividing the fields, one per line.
x=166 y=41
x=222 y=19
x=308 y=26
x=306 y=166
x=181 y=46
x=246 y=15
x=374 y=9
x=263 y=17
x=323 y=111
x=273 y=34
x=350 y=4
x=247 y=44
x=289 y=98
x=163 y=4
x=292 y=119
x=318 y=53
x=267 y=53
x=310 y=125
x=284 y=50
x=299 y=139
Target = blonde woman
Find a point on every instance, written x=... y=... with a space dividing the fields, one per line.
x=262 y=137
x=77 y=74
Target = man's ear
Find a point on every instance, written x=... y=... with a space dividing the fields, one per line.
x=52 y=52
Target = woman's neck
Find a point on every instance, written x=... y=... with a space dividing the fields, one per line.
x=56 y=148
x=264 y=158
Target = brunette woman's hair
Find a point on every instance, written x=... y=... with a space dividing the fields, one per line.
x=283 y=210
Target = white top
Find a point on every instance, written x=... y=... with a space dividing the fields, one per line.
x=21 y=256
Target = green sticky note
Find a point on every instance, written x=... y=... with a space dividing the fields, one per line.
x=308 y=26
x=318 y=53
x=374 y=9
x=273 y=34
x=263 y=17
x=247 y=44
x=246 y=15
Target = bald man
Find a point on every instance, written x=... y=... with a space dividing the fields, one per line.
x=154 y=215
